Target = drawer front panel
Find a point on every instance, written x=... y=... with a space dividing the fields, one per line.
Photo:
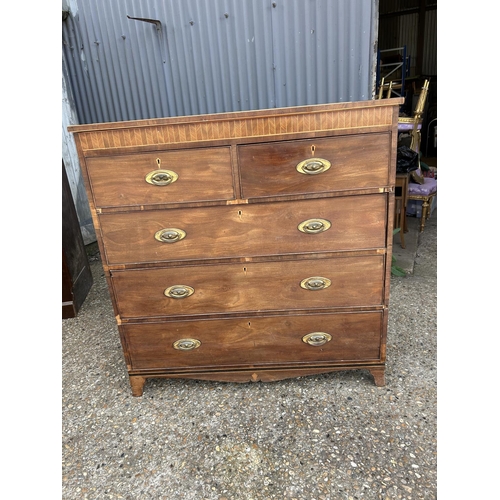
x=357 y=222
x=357 y=161
x=202 y=175
x=263 y=286
x=255 y=341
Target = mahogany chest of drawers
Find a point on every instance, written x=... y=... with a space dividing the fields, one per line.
x=247 y=246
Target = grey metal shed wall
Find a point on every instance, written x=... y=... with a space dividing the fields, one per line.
x=211 y=56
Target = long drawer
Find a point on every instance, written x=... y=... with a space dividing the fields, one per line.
x=294 y=167
x=161 y=177
x=261 y=286
x=338 y=338
x=329 y=224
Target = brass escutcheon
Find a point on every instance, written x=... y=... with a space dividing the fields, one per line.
x=315 y=283
x=313 y=166
x=314 y=226
x=178 y=291
x=170 y=235
x=186 y=344
x=161 y=177
x=316 y=338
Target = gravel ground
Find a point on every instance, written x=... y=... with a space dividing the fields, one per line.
x=329 y=437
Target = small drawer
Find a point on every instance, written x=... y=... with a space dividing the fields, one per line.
x=315 y=165
x=161 y=177
x=349 y=223
x=306 y=284
x=336 y=338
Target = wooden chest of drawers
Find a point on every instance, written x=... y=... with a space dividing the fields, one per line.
x=249 y=246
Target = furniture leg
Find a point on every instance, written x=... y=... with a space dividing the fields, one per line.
x=430 y=205
x=400 y=197
x=398 y=222
x=378 y=375
x=425 y=210
x=137 y=384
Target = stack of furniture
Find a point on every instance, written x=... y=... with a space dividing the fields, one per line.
x=422 y=188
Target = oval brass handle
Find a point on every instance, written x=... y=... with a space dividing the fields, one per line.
x=178 y=291
x=186 y=344
x=161 y=177
x=315 y=283
x=316 y=338
x=314 y=226
x=313 y=166
x=170 y=235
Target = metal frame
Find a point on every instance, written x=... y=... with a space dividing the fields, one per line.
x=404 y=65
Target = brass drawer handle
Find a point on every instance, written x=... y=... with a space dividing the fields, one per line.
x=170 y=235
x=313 y=166
x=316 y=338
x=178 y=291
x=186 y=344
x=315 y=283
x=161 y=177
x=314 y=226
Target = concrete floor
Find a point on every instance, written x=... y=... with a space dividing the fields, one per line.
x=330 y=437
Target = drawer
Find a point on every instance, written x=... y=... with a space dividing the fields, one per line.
x=357 y=222
x=185 y=175
x=258 y=286
x=356 y=162
x=355 y=337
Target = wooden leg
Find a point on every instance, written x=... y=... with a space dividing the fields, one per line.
x=137 y=384
x=425 y=210
x=398 y=212
x=379 y=376
x=430 y=204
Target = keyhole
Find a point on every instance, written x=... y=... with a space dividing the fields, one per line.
x=158 y=161
x=313 y=149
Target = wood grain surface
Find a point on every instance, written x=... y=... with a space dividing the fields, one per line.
x=256 y=341
x=358 y=222
x=358 y=161
x=239 y=200
x=261 y=286
x=260 y=123
x=203 y=174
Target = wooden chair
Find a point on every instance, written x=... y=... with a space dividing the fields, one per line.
x=388 y=88
x=420 y=188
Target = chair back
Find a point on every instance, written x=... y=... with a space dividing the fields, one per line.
x=419 y=109
x=383 y=86
x=417 y=117
x=415 y=122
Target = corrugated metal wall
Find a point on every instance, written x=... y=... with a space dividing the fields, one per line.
x=429 y=64
x=398 y=26
x=72 y=164
x=210 y=56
